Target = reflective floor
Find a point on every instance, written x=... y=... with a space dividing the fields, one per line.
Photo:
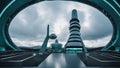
x=61 y=60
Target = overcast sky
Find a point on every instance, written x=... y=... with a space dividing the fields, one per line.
x=28 y=28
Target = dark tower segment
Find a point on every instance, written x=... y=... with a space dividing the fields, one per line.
x=74 y=43
x=74 y=14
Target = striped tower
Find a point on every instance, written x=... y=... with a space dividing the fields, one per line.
x=74 y=43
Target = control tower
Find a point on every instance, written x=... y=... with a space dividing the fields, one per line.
x=74 y=43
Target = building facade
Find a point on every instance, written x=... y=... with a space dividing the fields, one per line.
x=74 y=43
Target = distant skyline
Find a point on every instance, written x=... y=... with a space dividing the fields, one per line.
x=29 y=27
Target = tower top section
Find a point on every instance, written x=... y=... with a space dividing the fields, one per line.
x=74 y=14
x=56 y=41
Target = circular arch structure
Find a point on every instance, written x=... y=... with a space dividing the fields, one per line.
x=9 y=8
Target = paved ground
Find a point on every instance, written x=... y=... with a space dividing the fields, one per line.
x=61 y=60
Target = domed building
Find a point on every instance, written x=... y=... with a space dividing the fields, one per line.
x=56 y=47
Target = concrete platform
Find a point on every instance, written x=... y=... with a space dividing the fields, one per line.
x=22 y=59
x=100 y=59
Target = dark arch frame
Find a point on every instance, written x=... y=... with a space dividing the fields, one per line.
x=10 y=8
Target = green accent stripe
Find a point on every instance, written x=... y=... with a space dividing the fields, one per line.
x=116 y=3
x=113 y=44
x=7 y=41
x=1 y=16
x=112 y=7
x=119 y=15
x=6 y=7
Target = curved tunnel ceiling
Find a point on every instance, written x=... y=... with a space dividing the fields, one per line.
x=8 y=9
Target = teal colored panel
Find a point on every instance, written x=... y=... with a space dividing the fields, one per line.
x=117 y=49
x=74 y=49
x=2 y=49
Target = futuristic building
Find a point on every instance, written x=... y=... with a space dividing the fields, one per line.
x=44 y=45
x=75 y=43
x=56 y=47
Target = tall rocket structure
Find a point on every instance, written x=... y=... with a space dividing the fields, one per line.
x=74 y=43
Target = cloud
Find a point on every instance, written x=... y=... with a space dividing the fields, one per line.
x=98 y=29
x=97 y=43
x=31 y=23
